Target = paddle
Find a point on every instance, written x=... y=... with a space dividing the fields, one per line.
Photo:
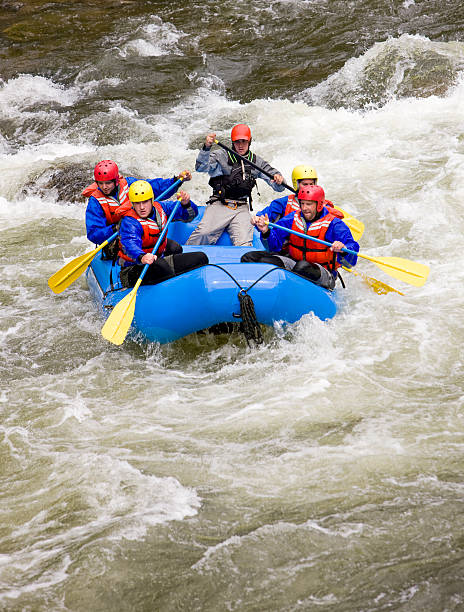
x=118 y=323
x=408 y=271
x=61 y=280
x=378 y=286
x=356 y=226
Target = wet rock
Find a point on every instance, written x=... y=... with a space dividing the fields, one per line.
x=5 y=5
x=62 y=184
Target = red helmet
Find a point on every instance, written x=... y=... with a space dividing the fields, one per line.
x=240 y=132
x=312 y=192
x=106 y=170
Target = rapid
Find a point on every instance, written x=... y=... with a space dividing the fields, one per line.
x=320 y=470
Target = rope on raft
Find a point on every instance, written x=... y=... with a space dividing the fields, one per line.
x=250 y=324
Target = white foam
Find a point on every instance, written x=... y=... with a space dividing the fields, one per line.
x=153 y=40
x=384 y=71
x=25 y=91
x=22 y=212
x=119 y=484
x=321 y=407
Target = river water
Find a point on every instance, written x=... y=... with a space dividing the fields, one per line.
x=320 y=471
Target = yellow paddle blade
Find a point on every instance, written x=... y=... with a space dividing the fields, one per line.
x=59 y=281
x=356 y=226
x=379 y=287
x=403 y=269
x=118 y=323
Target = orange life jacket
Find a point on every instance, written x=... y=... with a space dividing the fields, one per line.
x=313 y=252
x=114 y=209
x=152 y=228
x=292 y=204
x=87 y=192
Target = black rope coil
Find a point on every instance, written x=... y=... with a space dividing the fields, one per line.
x=251 y=327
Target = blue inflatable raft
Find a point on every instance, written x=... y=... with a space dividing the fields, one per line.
x=209 y=296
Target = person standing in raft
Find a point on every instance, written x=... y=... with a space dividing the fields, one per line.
x=315 y=261
x=139 y=232
x=109 y=201
x=232 y=181
x=302 y=176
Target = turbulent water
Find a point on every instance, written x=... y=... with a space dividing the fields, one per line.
x=320 y=471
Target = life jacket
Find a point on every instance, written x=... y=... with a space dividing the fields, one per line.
x=152 y=228
x=239 y=183
x=313 y=252
x=292 y=204
x=114 y=209
x=87 y=192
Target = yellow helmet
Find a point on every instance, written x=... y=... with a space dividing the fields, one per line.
x=140 y=191
x=302 y=172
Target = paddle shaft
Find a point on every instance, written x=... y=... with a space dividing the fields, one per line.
x=107 y=241
x=306 y=237
x=268 y=174
x=159 y=241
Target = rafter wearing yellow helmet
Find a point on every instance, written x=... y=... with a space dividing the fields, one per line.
x=304 y=175
x=303 y=172
x=140 y=191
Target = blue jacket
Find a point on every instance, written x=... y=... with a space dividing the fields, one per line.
x=98 y=229
x=131 y=232
x=275 y=210
x=337 y=230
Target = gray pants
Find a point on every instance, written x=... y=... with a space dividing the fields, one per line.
x=219 y=217
x=309 y=270
x=326 y=280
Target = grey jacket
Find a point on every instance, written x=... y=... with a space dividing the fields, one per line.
x=215 y=163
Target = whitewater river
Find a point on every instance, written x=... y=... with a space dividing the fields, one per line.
x=320 y=471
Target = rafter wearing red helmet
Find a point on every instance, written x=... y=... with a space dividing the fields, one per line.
x=232 y=180
x=317 y=262
x=280 y=207
x=109 y=202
